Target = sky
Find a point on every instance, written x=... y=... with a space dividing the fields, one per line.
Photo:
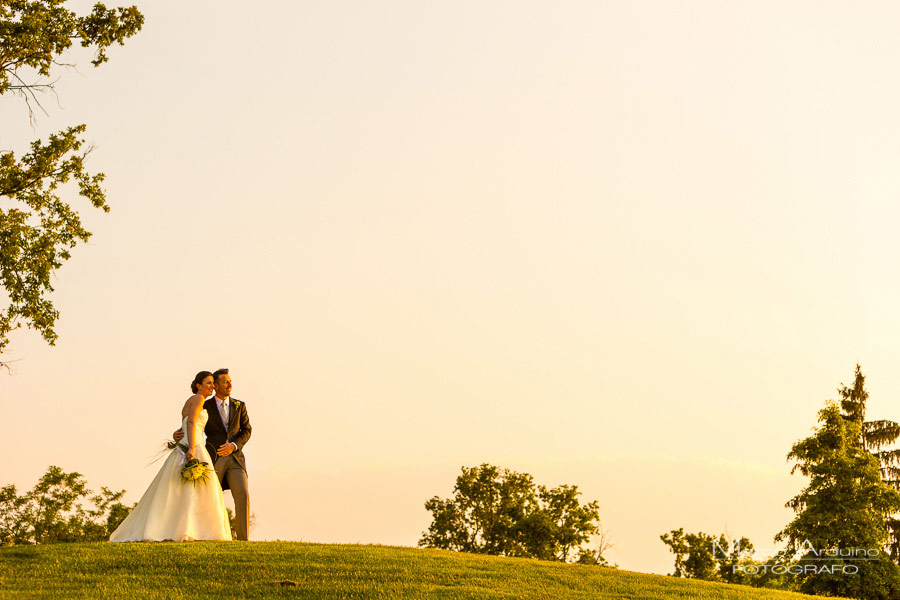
x=628 y=246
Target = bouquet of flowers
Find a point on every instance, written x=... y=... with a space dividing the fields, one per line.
x=195 y=471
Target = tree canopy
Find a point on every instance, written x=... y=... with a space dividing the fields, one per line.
x=60 y=508
x=704 y=556
x=498 y=511
x=841 y=513
x=38 y=228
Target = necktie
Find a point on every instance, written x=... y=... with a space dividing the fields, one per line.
x=225 y=413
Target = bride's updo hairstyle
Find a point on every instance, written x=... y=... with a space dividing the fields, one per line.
x=198 y=379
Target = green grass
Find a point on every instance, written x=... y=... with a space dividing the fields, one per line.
x=220 y=570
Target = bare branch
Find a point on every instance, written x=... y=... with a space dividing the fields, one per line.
x=6 y=365
x=25 y=90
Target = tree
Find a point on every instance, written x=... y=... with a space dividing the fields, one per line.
x=232 y=523
x=59 y=508
x=875 y=437
x=693 y=554
x=840 y=515
x=704 y=556
x=501 y=512
x=38 y=228
x=559 y=524
x=595 y=556
x=488 y=504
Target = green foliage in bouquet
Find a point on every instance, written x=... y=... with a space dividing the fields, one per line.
x=194 y=471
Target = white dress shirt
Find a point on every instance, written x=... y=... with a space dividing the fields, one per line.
x=225 y=407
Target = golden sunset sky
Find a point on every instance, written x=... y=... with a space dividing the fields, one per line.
x=630 y=246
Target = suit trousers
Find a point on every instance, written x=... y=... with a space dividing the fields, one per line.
x=228 y=470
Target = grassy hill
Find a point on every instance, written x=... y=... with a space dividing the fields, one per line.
x=219 y=570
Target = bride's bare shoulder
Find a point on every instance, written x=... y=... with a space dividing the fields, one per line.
x=191 y=403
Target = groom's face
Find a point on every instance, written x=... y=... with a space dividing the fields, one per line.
x=223 y=385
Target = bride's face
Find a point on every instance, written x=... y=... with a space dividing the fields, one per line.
x=206 y=387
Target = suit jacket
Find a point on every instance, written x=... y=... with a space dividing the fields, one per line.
x=237 y=431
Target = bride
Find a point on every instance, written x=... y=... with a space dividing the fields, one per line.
x=172 y=508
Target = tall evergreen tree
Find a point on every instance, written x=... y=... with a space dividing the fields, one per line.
x=841 y=514
x=875 y=437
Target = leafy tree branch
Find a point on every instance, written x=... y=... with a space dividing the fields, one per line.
x=38 y=226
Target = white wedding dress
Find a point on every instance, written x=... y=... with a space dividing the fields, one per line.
x=172 y=509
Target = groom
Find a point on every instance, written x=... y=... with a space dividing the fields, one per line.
x=227 y=430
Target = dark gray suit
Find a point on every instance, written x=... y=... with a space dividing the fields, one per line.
x=231 y=469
